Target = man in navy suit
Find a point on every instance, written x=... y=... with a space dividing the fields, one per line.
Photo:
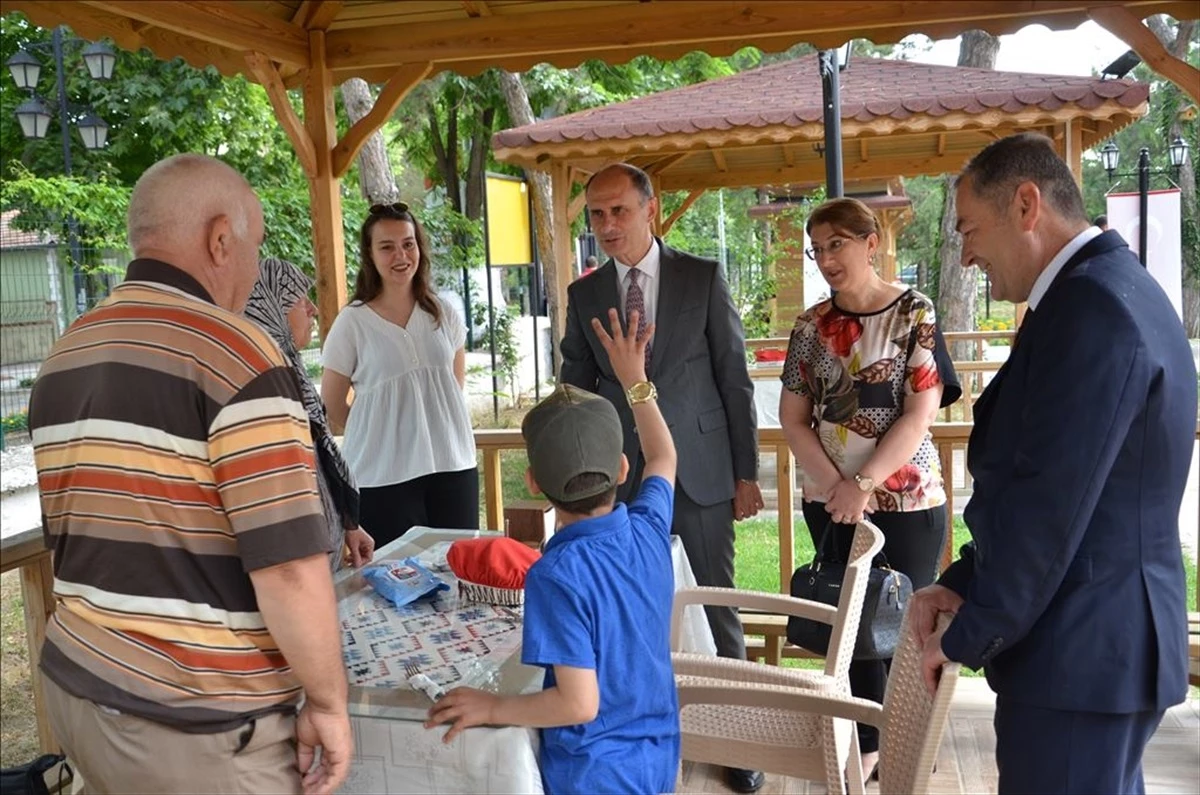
x=1071 y=595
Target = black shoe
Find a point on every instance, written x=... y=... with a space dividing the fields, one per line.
x=740 y=780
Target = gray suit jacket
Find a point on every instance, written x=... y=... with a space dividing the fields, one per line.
x=698 y=366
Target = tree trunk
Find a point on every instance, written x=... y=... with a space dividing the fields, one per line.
x=446 y=154
x=957 y=286
x=521 y=114
x=1176 y=43
x=477 y=165
x=375 y=175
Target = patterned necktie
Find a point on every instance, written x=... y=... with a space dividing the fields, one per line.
x=635 y=301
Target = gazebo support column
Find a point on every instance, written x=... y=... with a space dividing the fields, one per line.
x=560 y=189
x=329 y=248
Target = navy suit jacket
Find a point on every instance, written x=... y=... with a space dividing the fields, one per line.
x=698 y=365
x=1074 y=583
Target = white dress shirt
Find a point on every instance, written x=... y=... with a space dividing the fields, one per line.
x=647 y=279
x=1046 y=277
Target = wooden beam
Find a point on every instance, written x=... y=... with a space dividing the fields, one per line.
x=37 y=594
x=402 y=81
x=576 y=206
x=656 y=183
x=266 y=74
x=1074 y=147
x=862 y=149
x=231 y=25
x=619 y=31
x=789 y=155
x=564 y=255
x=688 y=201
x=1128 y=27
x=814 y=170
x=941 y=144
x=325 y=200
x=133 y=35
x=317 y=14
x=663 y=163
x=719 y=160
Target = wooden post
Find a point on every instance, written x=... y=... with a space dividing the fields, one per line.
x=564 y=255
x=946 y=453
x=37 y=593
x=493 y=488
x=1073 y=144
x=329 y=247
x=785 y=473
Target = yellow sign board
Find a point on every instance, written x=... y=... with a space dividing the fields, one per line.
x=508 y=221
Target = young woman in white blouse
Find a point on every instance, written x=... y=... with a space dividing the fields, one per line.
x=408 y=435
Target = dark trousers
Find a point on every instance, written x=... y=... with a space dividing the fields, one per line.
x=912 y=543
x=706 y=532
x=1049 y=750
x=443 y=499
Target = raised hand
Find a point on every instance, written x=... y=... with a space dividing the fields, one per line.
x=626 y=350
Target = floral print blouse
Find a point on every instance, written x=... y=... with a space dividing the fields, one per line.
x=857 y=369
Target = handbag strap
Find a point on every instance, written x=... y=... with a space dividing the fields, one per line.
x=820 y=555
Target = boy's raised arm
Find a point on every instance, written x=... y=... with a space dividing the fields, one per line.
x=627 y=354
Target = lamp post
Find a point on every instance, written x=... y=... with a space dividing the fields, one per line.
x=34 y=118
x=1110 y=156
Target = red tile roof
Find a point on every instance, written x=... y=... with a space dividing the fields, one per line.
x=16 y=238
x=789 y=94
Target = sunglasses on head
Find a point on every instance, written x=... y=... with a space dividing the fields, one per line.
x=395 y=208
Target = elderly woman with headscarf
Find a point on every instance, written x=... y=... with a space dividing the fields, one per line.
x=280 y=304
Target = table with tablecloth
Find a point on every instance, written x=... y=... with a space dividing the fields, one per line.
x=455 y=643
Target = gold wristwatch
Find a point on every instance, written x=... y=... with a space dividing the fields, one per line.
x=865 y=484
x=641 y=392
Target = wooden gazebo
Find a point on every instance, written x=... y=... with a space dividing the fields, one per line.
x=763 y=128
x=314 y=45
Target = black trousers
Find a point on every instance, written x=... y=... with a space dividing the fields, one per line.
x=443 y=499
x=706 y=532
x=913 y=542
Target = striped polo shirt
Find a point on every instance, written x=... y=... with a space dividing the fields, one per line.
x=173 y=457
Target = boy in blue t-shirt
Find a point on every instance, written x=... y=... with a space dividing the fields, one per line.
x=598 y=602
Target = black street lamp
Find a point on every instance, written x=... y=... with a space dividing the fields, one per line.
x=1110 y=156
x=34 y=118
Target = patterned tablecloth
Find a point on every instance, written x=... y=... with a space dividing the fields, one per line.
x=454 y=643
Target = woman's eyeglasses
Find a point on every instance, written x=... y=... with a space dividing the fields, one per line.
x=835 y=245
x=395 y=208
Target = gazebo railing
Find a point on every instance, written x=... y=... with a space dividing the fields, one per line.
x=26 y=553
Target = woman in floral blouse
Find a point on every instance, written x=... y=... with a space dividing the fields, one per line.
x=862 y=387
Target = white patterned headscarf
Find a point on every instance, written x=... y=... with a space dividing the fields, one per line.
x=281 y=285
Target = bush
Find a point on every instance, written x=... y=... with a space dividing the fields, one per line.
x=17 y=421
x=27 y=383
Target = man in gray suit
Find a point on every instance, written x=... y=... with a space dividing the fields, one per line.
x=697 y=363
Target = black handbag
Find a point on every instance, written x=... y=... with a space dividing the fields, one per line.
x=888 y=592
x=28 y=779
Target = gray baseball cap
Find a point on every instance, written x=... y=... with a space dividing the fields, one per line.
x=570 y=433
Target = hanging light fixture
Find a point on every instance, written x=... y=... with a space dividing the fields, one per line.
x=25 y=70
x=100 y=60
x=93 y=130
x=1178 y=151
x=34 y=118
x=1109 y=157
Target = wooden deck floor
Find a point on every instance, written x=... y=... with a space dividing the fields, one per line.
x=966 y=762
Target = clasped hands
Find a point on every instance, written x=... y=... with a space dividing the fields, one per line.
x=846 y=503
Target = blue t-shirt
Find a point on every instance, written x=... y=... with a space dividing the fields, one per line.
x=600 y=598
